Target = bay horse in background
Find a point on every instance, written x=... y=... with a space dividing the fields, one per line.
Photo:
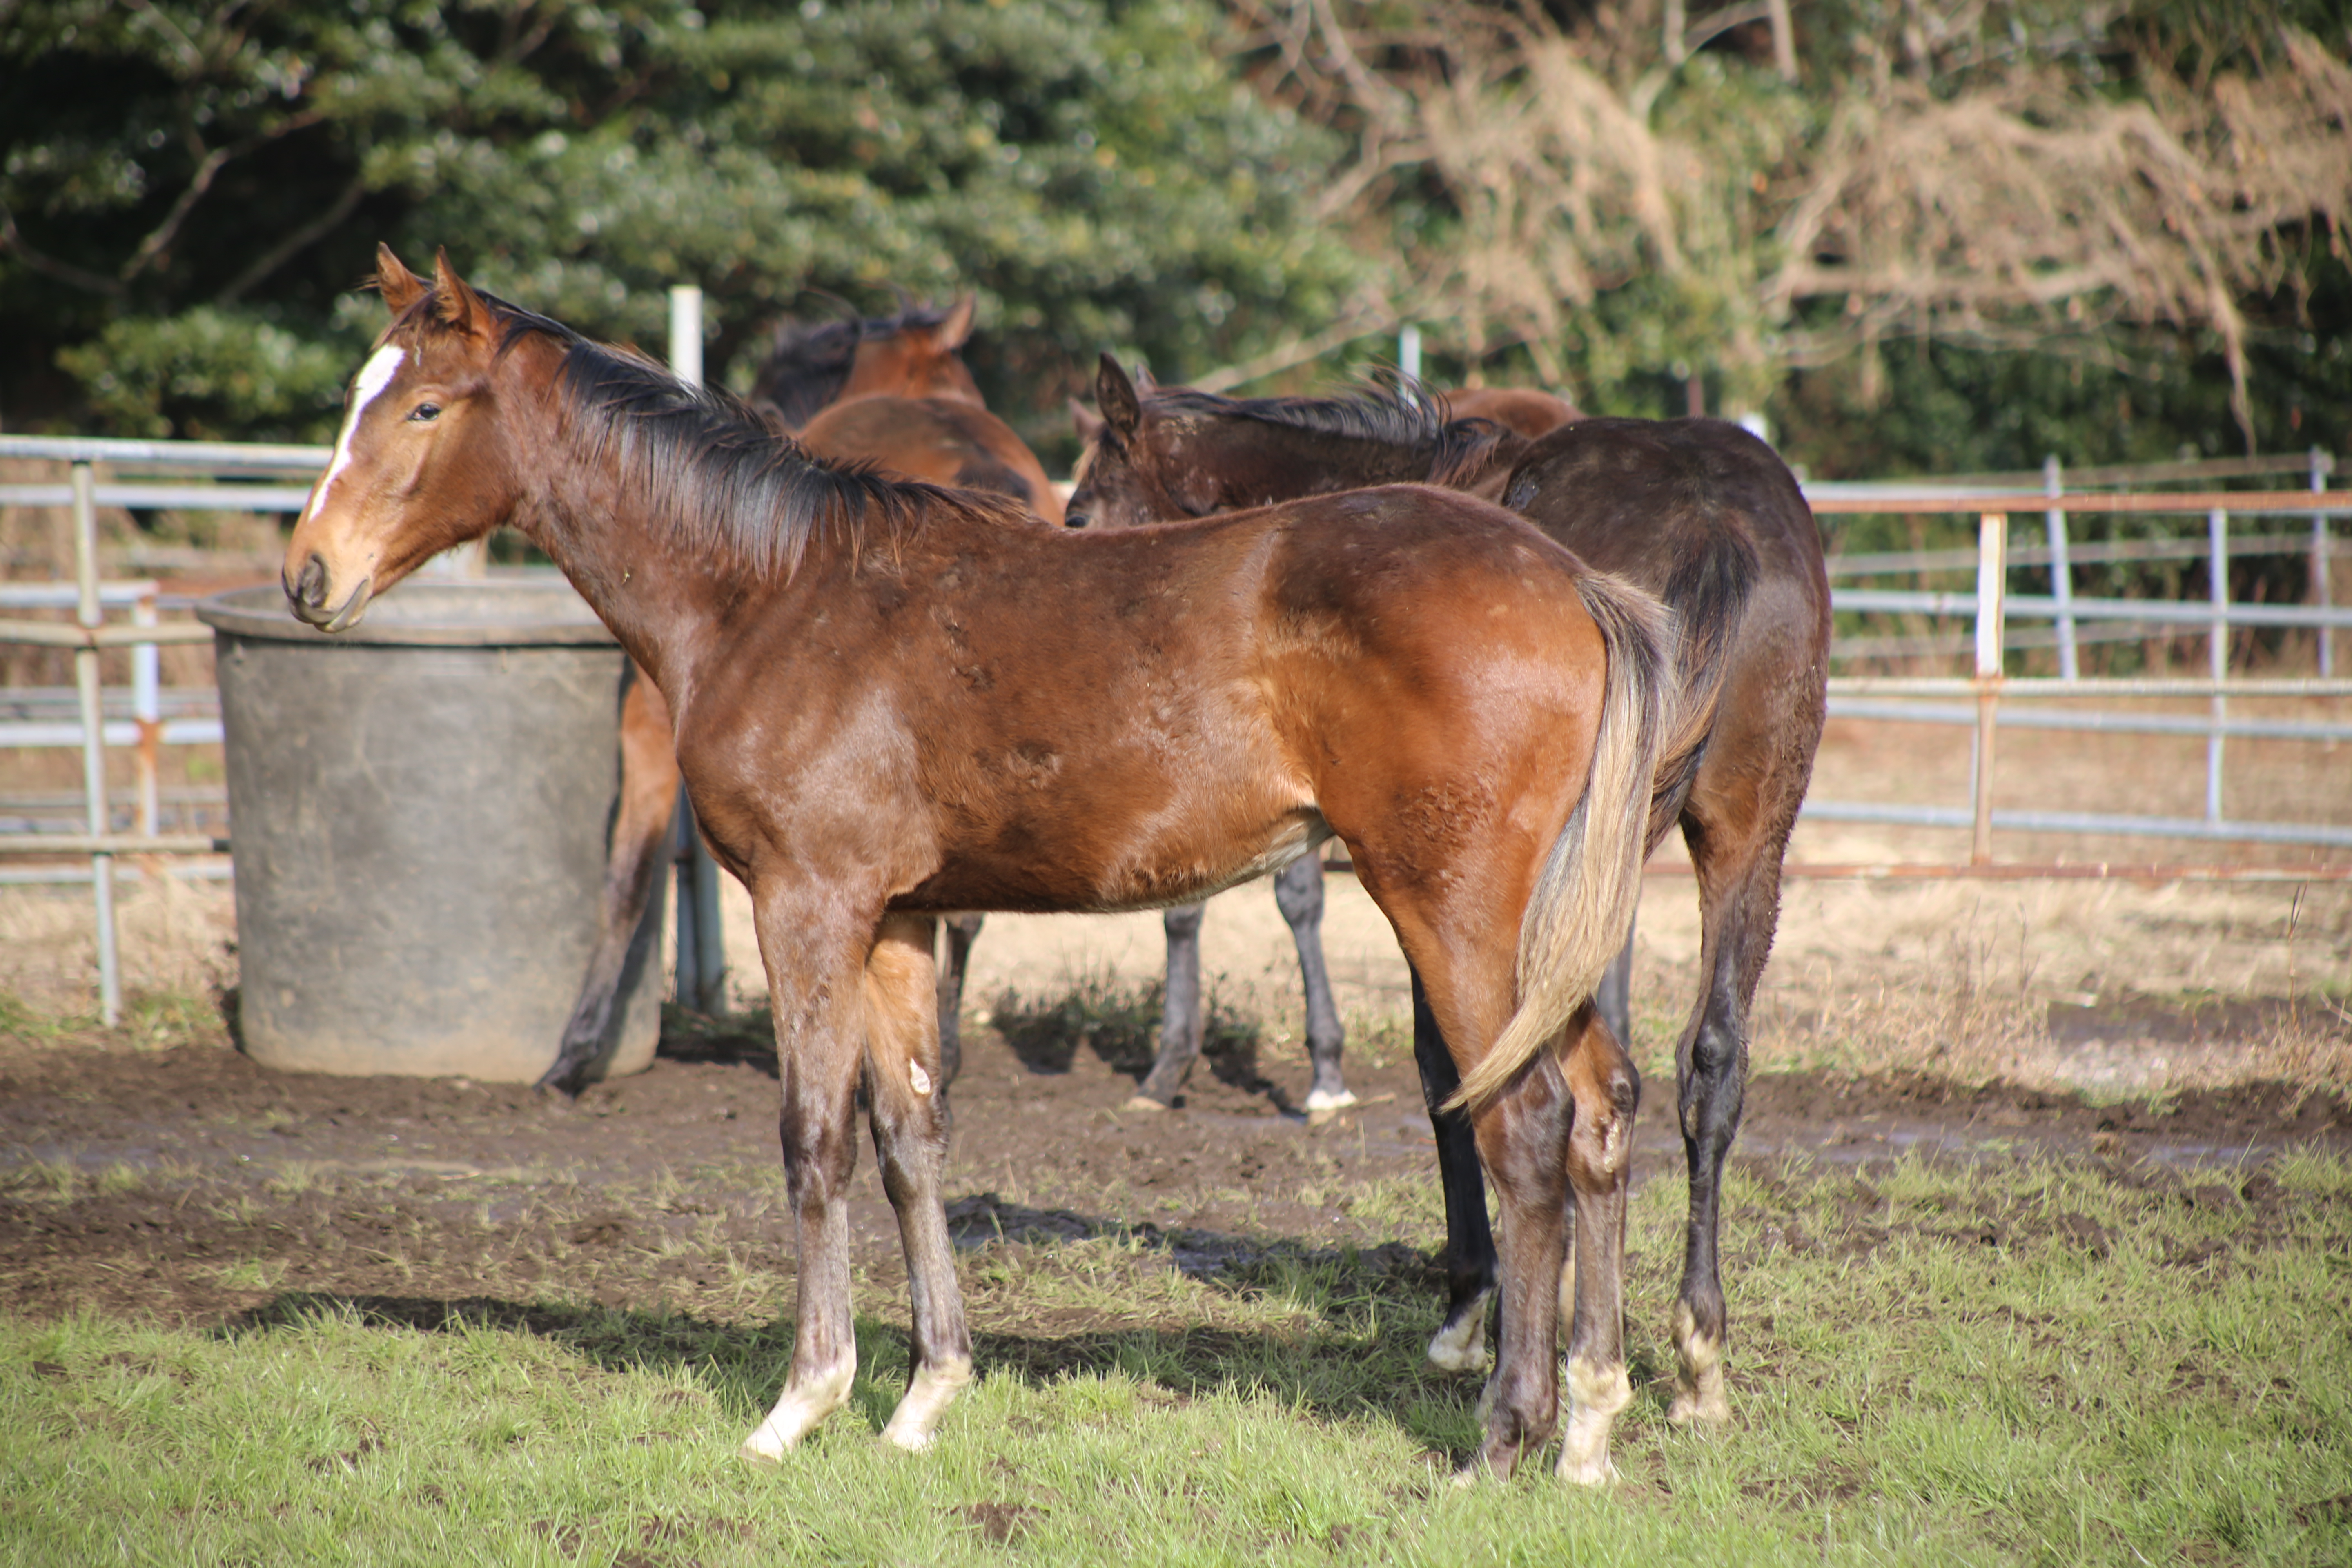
x=1523 y=409
x=916 y=353
x=1699 y=511
x=940 y=440
x=912 y=353
x=895 y=702
x=1298 y=888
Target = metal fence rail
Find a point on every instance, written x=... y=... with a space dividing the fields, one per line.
x=1991 y=604
x=208 y=476
x=89 y=631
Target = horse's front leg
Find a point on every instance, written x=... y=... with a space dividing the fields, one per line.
x=1298 y=894
x=962 y=930
x=1182 y=1027
x=815 y=953
x=904 y=1081
x=641 y=828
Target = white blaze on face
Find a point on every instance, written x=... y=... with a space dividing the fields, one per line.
x=374 y=377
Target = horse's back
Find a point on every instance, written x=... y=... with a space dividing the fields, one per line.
x=1117 y=720
x=1637 y=497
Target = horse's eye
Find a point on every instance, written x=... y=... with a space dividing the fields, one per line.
x=425 y=413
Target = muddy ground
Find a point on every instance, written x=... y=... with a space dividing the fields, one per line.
x=191 y=1184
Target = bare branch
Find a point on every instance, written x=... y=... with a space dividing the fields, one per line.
x=293 y=244
x=11 y=241
x=207 y=168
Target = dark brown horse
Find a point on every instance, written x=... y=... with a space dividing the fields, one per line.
x=1700 y=512
x=894 y=702
x=911 y=354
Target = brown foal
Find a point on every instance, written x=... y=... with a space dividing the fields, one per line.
x=894 y=702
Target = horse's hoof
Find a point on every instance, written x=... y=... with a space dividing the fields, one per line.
x=1699 y=1412
x=1320 y=1102
x=1143 y=1102
x=1586 y=1472
x=752 y=1455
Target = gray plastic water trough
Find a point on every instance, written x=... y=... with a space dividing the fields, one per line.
x=418 y=808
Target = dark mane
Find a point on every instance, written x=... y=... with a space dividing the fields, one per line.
x=1395 y=411
x=807 y=364
x=726 y=484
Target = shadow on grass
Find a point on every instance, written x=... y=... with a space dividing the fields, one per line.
x=1352 y=1359
x=1121 y=1024
x=723 y=1039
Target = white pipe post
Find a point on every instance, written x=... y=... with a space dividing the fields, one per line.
x=701 y=949
x=1408 y=350
x=2062 y=577
x=2323 y=591
x=147 y=712
x=1992 y=576
x=2217 y=531
x=93 y=740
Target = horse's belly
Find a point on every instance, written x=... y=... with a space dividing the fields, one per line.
x=1082 y=867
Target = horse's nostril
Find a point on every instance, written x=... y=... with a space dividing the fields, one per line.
x=310 y=588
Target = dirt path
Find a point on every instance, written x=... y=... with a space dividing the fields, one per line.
x=193 y=1184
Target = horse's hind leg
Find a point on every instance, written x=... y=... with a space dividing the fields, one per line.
x=640 y=833
x=1605 y=1090
x=1298 y=893
x=1460 y=1343
x=1181 y=1026
x=910 y=1139
x=962 y=930
x=1736 y=855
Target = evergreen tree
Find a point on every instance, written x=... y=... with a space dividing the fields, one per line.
x=190 y=190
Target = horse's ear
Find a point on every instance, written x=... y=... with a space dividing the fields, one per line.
x=1089 y=423
x=457 y=304
x=1115 y=396
x=399 y=286
x=954 y=330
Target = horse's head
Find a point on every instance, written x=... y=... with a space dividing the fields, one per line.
x=919 y=357
x=421 y=464
x=1137 y=467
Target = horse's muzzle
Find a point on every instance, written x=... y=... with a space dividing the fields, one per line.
x=308 y=596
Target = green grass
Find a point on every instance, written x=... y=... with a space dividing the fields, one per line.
x=151 y=1020
x=1993 y=1364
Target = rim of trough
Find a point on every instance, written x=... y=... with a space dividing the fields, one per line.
x=425 y=614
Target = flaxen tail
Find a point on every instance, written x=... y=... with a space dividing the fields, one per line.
x=1583 y=902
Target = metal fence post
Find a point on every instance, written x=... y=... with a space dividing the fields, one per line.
x=147 y=712
x=2062 y=579
x=1408 y=350
x=93 y=740
x=2217 y=530
x=1992 y=574
x=2322 y=590
x=701 y=947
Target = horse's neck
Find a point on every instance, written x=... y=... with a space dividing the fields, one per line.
x=1292 y=462
x=668 y=605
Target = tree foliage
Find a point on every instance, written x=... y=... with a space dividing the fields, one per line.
x=1920 y=233
x=190 y=188
x=2141 y=192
